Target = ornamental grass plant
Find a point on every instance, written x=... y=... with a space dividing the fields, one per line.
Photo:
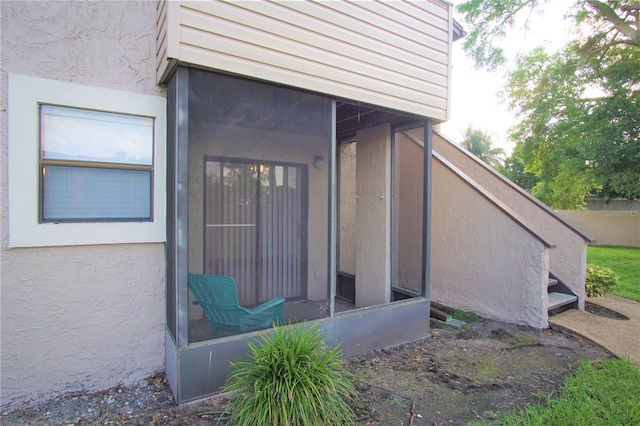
x=291 y=378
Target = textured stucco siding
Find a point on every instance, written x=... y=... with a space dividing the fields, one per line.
x=347 y=215
x=568 y=259
x=106 y=44
x=373 y=216
x=91 y=317
x=82 y=318
x=481 y=260
x=407 y=208
x=408 y=204
x=392 y=54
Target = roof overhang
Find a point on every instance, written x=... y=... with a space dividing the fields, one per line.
x=458 y=31
x=353 y=116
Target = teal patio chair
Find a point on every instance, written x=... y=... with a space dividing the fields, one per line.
x=218 y=297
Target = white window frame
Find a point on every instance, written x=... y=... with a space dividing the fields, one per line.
x=25 y=230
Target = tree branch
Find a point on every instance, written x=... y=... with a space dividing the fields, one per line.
x=620 y=24
x=509 y=16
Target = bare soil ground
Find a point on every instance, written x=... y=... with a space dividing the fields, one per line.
x=460 y=376
x=453 y=378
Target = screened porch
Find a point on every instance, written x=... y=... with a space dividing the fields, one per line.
x=295 y=201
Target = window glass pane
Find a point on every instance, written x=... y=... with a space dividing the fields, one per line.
x=83 y=135
x=292 y=177
x=79 y=193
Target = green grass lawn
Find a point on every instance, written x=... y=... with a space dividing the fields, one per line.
x=602 y=392
x=625 y=261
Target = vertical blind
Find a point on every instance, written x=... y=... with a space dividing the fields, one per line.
x=255 y=228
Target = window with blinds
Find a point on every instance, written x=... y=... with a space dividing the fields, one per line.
x=95 y=166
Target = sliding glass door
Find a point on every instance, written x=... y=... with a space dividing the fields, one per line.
x=255 y=227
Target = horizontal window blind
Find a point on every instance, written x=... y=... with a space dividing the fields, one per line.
x=88 y=193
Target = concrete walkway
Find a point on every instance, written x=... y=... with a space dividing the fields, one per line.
x=621 y=337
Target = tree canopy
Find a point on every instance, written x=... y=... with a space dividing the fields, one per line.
x=480 y=144
x=578 y=108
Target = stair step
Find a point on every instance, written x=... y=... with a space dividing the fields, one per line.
x=560 y=299
x=552 y=282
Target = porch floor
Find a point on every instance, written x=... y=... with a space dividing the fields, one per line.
x=200 y=330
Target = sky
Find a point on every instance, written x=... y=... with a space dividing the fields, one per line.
x=474 y=93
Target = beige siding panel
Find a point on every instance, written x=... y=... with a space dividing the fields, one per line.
x=335 y=37
x=292 y=51
x=161 y=14
x=424 y=10
x=161 y=48
x=161 y=37
x=379 y=27
x=394 y=35
x=334 y=75
x=313 y=33
x=430 y=34
x=450 y=37
x=394 y=55
x=161 y=45
x=420 y=14
x=167 y=37
x=161 y=32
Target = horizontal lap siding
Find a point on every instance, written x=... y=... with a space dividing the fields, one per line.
x=392 y=54
x=167 y=37
x=161 y=37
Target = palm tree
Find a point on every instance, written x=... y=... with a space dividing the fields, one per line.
x=480 y=143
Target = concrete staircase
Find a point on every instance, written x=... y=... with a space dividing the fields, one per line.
x=554 y=242
x=560 y=297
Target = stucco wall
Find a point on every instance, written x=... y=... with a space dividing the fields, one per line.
x=408 y=204
x=347 y=218
x=373 y=216
x=107 y=44
x=407 y=209
x=481 y=260
x=608 y=227
x=80 y=318
x=568 y=259
x=91 y=317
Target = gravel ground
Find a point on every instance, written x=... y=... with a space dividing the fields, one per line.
x=119 y=405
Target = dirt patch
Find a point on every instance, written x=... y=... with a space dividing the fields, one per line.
x=459 y=376
x=599 y=310
x=454 y=377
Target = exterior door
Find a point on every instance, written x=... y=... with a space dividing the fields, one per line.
x=255 y=228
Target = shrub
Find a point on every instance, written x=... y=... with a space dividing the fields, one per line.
x=291 y=378
x=600 y=280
